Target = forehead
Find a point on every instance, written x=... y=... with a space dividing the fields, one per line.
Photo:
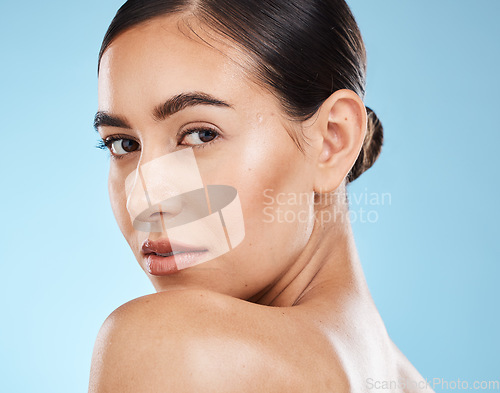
x=164 y=57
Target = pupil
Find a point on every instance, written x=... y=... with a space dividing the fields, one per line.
x=206 y=135
x=128 y=145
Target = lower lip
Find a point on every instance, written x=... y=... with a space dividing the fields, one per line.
x=164 y=266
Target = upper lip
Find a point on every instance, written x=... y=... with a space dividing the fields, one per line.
x=164 y=246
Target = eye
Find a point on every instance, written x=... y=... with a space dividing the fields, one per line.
x=120 y=146
x=198 y=136
x=123 y=146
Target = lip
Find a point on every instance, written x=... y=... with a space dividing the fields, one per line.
x=160 y=263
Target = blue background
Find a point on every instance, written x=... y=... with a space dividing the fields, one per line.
x=431 y=256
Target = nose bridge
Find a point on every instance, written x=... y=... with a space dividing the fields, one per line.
x=158 y=180
x=137 y=192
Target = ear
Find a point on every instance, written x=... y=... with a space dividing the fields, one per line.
x=340 y=130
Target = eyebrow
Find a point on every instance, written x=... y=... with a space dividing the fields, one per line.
x=105 y=119
x=184 y=100
x=161 y=112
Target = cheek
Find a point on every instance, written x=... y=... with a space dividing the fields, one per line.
x=275 y=168
x=282 y=224
x=272 y=166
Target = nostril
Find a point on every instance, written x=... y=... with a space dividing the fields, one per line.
x=161 y=216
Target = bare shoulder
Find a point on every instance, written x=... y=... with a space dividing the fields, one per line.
x=198 y=340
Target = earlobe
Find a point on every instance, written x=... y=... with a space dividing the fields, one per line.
x=342 y=123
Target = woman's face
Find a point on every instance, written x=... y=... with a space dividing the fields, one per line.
x=247 y=147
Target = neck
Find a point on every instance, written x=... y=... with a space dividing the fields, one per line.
x=328 y=262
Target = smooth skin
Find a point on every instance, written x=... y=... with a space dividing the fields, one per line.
x=288 y=310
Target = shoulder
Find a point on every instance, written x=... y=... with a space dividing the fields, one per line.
x=191 y=341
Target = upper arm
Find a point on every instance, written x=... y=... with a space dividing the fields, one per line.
x=181 y=343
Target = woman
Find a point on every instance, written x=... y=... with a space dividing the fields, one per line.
x=264 y=98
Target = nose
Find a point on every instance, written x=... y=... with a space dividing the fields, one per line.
x=156 y=190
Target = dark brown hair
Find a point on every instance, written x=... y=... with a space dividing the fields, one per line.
x=304 y=50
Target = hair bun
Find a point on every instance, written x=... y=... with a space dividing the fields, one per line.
x=372 y=146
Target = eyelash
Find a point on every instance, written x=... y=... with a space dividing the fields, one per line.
x=104 y=144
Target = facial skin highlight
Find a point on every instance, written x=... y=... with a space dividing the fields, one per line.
x=155 y=61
